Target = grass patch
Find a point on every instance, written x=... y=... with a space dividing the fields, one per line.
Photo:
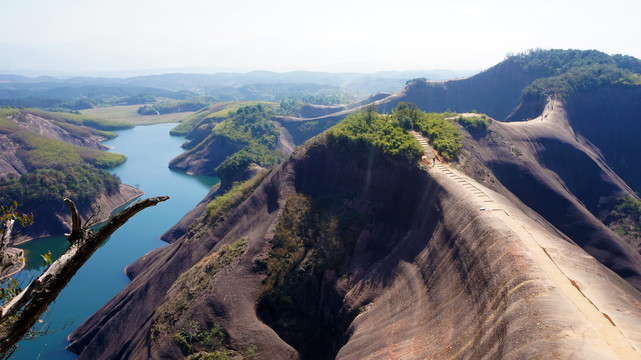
x=169 y=317
x=176 y=106
x=239 y=192
x=4 y=112
x=128 y=114
x=39 y=152
x=82 y=120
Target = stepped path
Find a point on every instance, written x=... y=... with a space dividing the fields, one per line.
x=574 y=287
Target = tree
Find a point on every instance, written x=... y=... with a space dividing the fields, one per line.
x=18 y=315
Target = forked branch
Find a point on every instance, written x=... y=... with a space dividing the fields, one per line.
x=19 y=315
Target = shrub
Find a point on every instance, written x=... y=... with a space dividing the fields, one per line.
x=473 y=124
x=252 y=153
x=239 y=192
x=367 y=129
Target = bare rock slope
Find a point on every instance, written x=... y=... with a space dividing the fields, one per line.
x=550 y=165
x=402 y=262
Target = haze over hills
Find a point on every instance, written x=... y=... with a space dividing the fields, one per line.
x=63 y=92
x=351 y=248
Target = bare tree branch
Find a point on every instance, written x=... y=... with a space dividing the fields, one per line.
x=19 y=315
x=76 y=222
x=6 y=233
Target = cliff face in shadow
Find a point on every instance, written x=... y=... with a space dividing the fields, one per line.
x=551 y=165
x=496 y=92
x=354 y=256
x=610 y=118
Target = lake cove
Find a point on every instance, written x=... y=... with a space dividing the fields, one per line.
x=148 y=149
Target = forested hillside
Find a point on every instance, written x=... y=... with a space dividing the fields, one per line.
x=48 y=156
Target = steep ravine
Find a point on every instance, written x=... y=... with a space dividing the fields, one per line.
x=405 y=264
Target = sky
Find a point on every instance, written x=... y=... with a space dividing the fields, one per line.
x=91 y=36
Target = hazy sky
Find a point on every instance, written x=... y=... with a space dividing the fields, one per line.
x=337 y=35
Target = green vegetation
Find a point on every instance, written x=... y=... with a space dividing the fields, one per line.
x=169 y=317
x=365 y=130
x=7 y=111
x=239 y=192
x=625 y=219
x=176 y=106
x=249 y=124
x=250 y=154
x=557 y=61
x=288 y=106
x=582 y=78
x=190 y=335
x=312 y=236
x=101 y=159
x=57 y=169
x=84 y=120
x=82 y=183
x=473 y=124
x=443 y=134
x=39 y=152
x=325 y=97
x=212 y=114
x=564 y=72
x=306 y=238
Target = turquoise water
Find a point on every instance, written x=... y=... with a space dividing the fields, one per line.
x=148 y=150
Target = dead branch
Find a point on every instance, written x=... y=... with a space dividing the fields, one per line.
x=19 y=315
x=76 y=222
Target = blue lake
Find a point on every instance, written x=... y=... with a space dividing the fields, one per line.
x=148 y=149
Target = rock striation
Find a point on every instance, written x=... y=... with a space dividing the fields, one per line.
x=433 y=265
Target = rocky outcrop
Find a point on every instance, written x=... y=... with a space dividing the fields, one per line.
x=610 y=119
x=418 y=265
x=551 y=168
x=206 y=156
x=47 y=128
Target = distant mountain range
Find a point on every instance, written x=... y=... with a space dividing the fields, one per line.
x=51 y=91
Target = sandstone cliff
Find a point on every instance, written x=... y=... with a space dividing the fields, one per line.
x=403 y=262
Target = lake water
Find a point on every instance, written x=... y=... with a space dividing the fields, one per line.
x=148 y=150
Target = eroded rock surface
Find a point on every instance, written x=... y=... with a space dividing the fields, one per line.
x=391 y=261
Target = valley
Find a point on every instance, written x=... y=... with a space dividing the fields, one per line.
x=148 y=149
x=493 y=216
